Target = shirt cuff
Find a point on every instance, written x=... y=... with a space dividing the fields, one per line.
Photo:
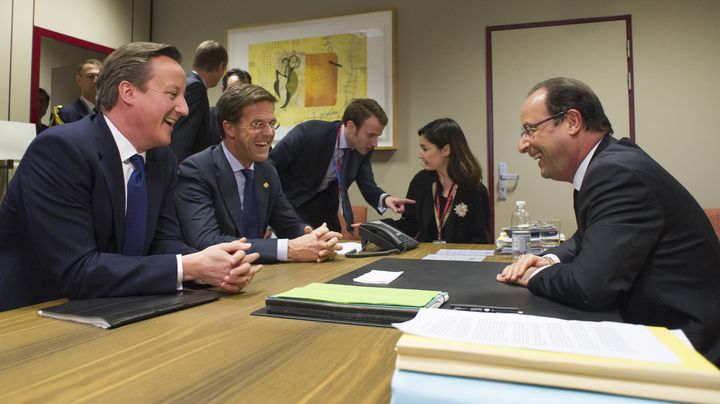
x=553 y=257
x=380 y=207
x=282 y=249
x=178 y=258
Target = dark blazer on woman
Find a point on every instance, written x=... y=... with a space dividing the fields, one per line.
x=469 y=219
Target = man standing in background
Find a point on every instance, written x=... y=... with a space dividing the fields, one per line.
x=232 y=76
x=86 y=76
x=192 y=133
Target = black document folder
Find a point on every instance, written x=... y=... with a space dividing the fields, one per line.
x=466 y=282
x=356 y=305
x=111 y=312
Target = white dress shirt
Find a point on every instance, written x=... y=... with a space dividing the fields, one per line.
x=127 y=150
x=577 y=183
x=237 y=167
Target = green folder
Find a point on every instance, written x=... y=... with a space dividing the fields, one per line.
x=350 y=294
x=353 y=304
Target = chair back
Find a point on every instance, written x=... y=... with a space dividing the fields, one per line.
x=360 y=216
x=714 y=215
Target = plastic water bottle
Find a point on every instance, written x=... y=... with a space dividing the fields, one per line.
x=520 y=217
x=520 y=221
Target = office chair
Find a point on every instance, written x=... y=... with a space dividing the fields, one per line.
x=714 y=215
x=360 y=216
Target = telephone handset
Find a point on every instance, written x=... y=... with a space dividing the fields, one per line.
x=390 y=239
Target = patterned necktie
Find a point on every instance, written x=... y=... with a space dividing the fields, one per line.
x=343 y=191
x=251 y=214
x=136 y=210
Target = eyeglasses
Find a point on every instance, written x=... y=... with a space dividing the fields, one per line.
x=530 y=128
x=260 y=125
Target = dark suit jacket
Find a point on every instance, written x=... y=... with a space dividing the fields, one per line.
x=418 y=221
x=209 y=206
x=213 y=127
x=302 y=158
x=191 y=133
x=72 y=112
x=643 y=246
x=62 y=221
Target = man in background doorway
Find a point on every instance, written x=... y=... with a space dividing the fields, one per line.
x=86 y=76
x=43 y=103
x=192 y=133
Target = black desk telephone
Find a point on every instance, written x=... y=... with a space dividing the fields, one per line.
x=390 y=239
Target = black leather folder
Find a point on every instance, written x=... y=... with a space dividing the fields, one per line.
x=111 y=312
x=466 y=282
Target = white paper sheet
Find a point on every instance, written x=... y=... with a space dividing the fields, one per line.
x=459 y=255
x=440 y=257
x=606 y=339
x=474 y=253
x=376 y=277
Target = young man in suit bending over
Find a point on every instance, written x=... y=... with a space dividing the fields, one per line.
x=643 y=245
x=91 y=210
x=318 y=161
x=229 y=191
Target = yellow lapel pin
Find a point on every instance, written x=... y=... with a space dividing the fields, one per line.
x=266 y=185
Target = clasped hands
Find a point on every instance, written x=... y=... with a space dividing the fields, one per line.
x=225 y=265
x=317 y=245
x=521 y=270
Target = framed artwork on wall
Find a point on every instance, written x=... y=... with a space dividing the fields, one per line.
x=315 y=67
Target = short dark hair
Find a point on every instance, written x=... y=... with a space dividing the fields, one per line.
x=90 y=61
x=565 y=93
x=360 y=109
x=43 y=96
x=232 y=102
x=129 y=62
x=240 y=73
x=463 y=167
x=209 y=55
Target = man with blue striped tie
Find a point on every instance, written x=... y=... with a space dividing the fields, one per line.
x=91 y=210
x=229 y=190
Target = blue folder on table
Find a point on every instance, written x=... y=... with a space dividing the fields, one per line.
x=419 y=388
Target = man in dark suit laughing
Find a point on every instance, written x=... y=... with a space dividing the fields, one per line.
x=643 y=246
x=90 y=211
x=229 y=191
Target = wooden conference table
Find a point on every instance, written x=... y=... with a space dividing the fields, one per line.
x=216 y=352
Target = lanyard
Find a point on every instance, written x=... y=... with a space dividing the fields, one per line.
x=338 y=163
x=441 y=216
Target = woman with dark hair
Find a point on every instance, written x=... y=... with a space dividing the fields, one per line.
x=452 y=204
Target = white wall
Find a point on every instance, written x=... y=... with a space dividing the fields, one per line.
x=441 y=68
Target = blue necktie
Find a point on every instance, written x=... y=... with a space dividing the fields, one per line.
x=251 y=215
x=345 y=200
x=136 y=210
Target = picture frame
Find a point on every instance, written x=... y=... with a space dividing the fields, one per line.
x=316 y=66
